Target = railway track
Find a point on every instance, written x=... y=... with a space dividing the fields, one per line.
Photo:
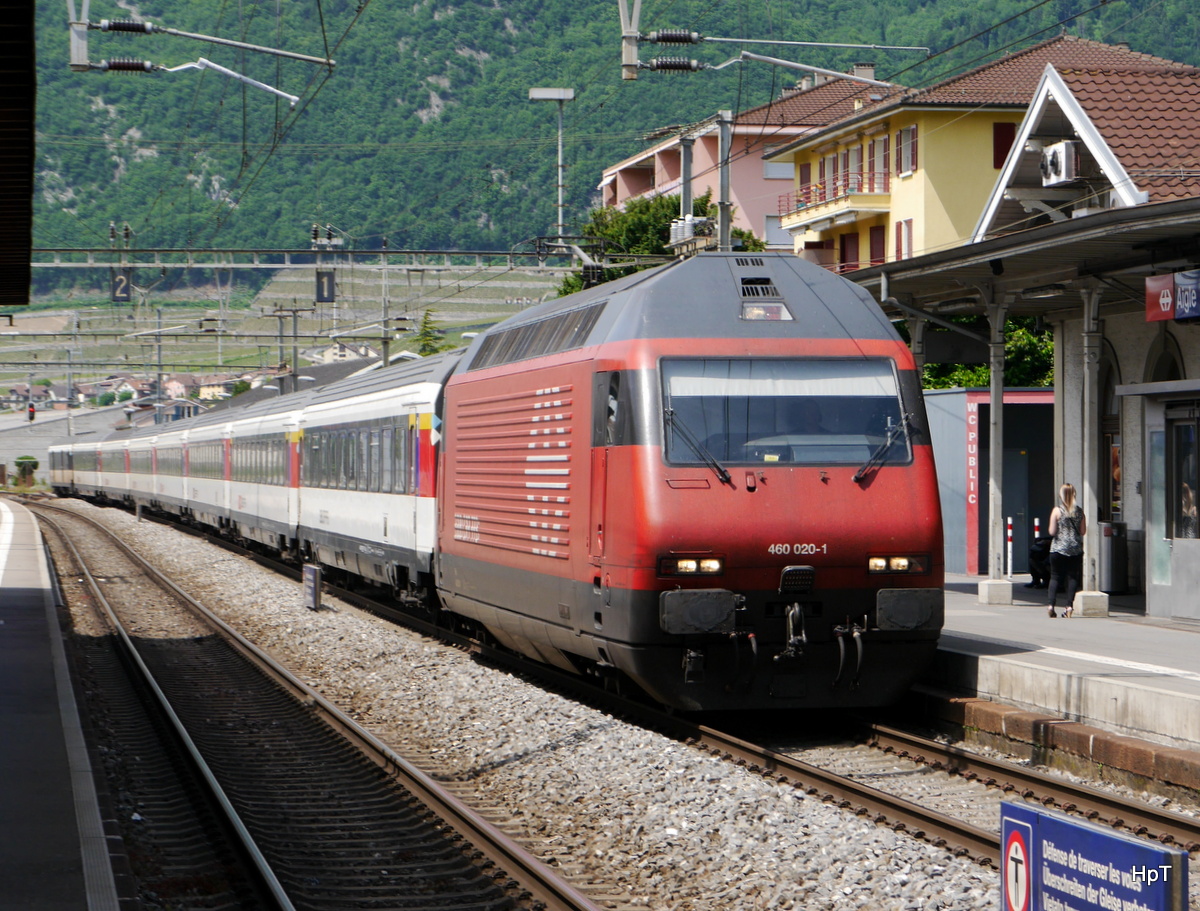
x=959 y=791
x=326 y=816
x=955 y=806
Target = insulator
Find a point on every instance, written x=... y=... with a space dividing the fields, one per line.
x=675 y=63
x=125 y=25
x=125 y=65
x=674 y=36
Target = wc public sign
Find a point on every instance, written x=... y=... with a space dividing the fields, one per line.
x=1050 y=861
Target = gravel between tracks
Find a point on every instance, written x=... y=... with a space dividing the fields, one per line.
x=664 y=826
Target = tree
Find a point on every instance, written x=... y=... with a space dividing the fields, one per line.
x=644 y=227
x=1028 y=361
x=26 y=466
x=429 y=338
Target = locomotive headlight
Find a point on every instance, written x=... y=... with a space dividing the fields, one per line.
x=899 y=564
x=691 y=566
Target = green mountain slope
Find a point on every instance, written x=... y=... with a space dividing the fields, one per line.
x=423 y=132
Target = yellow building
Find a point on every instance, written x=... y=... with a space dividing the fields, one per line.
x=910 y=170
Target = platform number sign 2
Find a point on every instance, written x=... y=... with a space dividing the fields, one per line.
x=122 y=287
x=325 y=286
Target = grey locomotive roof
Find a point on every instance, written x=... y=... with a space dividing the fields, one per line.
x=702 y=297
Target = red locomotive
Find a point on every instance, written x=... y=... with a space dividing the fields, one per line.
x=714 y=479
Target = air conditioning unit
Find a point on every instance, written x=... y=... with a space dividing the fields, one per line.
x=1060 y=163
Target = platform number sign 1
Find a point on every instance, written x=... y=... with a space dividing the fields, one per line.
x=122 y=286
x=325 y=286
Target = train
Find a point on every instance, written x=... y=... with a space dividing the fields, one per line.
x=710 y=483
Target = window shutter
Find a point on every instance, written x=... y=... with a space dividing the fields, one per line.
x=899 y=148
x=899 y=241
x=912 y=155
x=1003 y=137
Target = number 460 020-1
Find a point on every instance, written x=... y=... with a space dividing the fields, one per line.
x=801 y=549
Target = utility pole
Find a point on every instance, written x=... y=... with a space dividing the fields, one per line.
x=158 y=386
x=724 y=204
x=686 y=144
x=385 y=347
x=279 y=314
x=70 y=390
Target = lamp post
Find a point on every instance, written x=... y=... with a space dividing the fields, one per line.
x=561 y=96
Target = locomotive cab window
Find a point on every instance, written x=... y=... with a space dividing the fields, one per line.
x=810 y=411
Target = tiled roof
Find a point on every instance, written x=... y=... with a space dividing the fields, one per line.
x=1013 y=78
x=1149 y=118
x=815 y=106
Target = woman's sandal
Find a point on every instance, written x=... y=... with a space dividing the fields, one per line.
x=1052 y=614
x=1070 y=610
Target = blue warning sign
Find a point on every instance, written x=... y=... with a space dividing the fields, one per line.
x=1054 y=862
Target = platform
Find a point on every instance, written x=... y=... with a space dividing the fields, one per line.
x=1088 y=684
x=54 y=854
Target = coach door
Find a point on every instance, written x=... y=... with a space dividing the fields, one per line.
x=606 y=391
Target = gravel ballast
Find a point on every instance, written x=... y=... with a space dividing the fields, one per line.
x=653 y=823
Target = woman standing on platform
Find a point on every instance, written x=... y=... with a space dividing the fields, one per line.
x=1067 y=527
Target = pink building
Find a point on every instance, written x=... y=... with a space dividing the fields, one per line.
x=755 y=185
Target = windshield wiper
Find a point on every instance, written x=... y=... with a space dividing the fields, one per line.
x=697 y=447
x=879 y=456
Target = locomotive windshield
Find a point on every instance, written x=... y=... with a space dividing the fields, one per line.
x=810 y=411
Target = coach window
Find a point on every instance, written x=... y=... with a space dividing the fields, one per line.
x=400 y=451
x=364 y=461
x=411 y=456
x=385 y=459
x=376 y=462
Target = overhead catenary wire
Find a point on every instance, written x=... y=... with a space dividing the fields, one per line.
x=765 y=137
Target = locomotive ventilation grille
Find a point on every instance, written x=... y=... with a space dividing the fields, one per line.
x=513 y=472
x=744 y=261
x=757 y=288
x=797 y=580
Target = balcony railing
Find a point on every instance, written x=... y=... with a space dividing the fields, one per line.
x=841 y=186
